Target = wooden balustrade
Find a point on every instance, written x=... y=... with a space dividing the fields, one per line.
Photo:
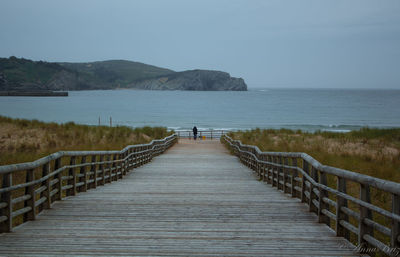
x=305 y=178
x=208 y=134
x=29 y=188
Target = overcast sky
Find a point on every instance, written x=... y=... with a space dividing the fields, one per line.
x=282 y=43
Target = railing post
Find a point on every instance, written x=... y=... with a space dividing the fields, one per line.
x=241 y=157
x=72 y=172
x=126 y=162
x=279 y=171
x=130 y=160
x=136 y=163
x=258 y=168
x=254 y=162
x=311 y=207
x=122 y=164
x=155 y=150
x=395 y=237
x=322 y=205
x=294 y=176
x=314 y=176
x=145 y=155
x=341 y=202
x=141 y=156
x=94 y=170
x=6 y=226
x=269 y=170
x=103 y=170
x=249 y=161
x=30 y=190
x=57 y=165
x=109 y=166
x=46 y=193
x=263 y=167
x=285 y=175
x=115 y=166
x=149 y=153
x=83 y=171
x=363 y=229
x=303 y=181
x=110 y=158
x=273 y=172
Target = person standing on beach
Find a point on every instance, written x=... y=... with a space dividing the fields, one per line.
x=194 y=132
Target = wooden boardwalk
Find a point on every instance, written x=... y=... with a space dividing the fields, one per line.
x=194 y=200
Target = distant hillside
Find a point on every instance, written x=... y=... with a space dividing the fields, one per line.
x=117 y=73
x=26 y=75
x=23 y=74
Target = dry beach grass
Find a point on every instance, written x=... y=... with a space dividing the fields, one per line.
x=374 y=152
x=23 y=140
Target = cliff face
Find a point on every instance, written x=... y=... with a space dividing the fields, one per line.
x=198 y=80
x=26 y=75
x=3 y=82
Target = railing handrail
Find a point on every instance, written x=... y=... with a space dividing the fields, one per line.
x=202 y=130
x=78 y=153
x=382 y=184
x=312 y=187
x=39 y=162
x=217 y=133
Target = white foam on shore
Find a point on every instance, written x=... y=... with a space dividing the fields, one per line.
x=337 y=130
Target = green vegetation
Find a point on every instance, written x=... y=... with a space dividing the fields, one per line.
x=20 y=71
x=23 y=74
x=24 y=140
x=119 y=73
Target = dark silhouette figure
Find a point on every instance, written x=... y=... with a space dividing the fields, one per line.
x=194 y=133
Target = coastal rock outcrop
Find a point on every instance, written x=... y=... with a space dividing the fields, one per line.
x=197 y=80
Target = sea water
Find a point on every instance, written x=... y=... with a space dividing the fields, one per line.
x=306 y=109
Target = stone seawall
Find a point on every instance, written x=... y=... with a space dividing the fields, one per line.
x=38 y=93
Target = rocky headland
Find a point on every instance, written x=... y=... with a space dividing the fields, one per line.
x=19 y=74
x=197 y=80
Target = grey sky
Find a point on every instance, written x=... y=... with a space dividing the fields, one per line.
x=320 y=43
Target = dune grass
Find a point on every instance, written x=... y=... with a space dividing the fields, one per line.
x=374 y=152
x=28 y=140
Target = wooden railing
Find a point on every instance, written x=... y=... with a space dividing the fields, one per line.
x=301 y=176
x=28 y=188
x=207 y=134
